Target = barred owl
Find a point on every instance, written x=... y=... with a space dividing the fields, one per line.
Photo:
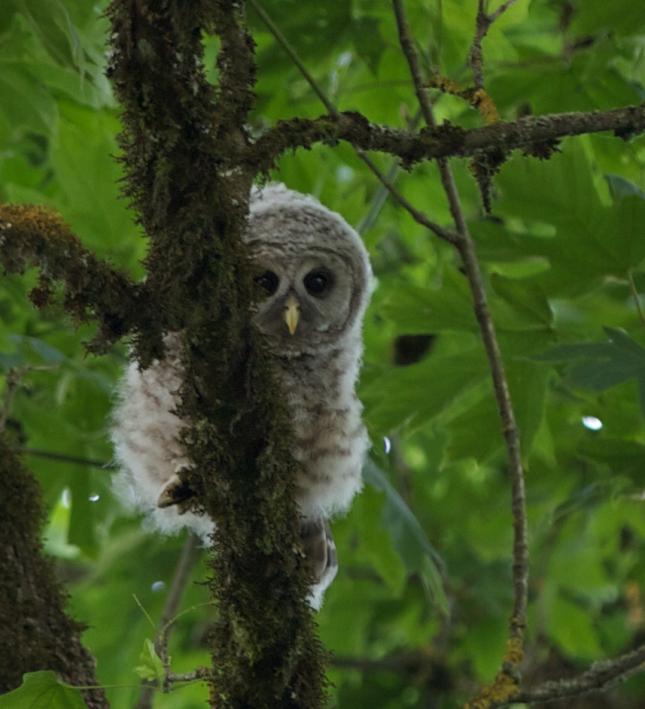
x=314 y=279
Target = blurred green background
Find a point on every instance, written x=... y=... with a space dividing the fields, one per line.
x=417 y=615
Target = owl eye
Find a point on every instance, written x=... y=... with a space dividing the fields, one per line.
x=268 y=281
x=317 y=282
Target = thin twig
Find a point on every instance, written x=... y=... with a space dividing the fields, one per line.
x=378 y=200
x=380 y=196
x=483 y=22
x=197 y=675
x=501 y=10
x=180 y=578
x=466 y=248
x=293 y=55
x=417 y=215
x=64 y=458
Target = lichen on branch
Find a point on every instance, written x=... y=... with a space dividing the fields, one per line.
x=443 y=141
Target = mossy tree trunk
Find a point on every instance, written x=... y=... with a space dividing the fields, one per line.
x=35 y=632
x=183 y=142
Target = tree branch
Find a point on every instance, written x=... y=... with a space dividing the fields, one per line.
x=34 y=236
x=334 y=116
x=483 y=22
x=236 y=65
x=506 y=679
x=293 y=55
x=36 y=634
x=182 y=140
x=180 y=578
x=601 y=675
x=418 y=216
x=443 y=141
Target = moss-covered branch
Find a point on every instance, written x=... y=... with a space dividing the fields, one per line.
x=182 y=142
x=36 y=632
x=443 y=141
x=32 y=236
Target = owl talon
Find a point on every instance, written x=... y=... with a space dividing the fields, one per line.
x=320 y=557
x=175 y=492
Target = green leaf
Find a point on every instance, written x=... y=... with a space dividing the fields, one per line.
x=601 y=365
x=572 y=628
x=417 y=394
x=590 y=241
x=622 y=233
x=414 y=309
x=593 y=16
x=368 y=41
x=82 y=531
x=42 y=690
x=477 y=433
x=27 y=105
x=620 y=187
x=151 y=667
x=409 y=538
x=376 y=543
x=45 y=352
x=525 y=297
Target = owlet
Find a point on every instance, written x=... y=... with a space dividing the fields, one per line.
x=315 y=280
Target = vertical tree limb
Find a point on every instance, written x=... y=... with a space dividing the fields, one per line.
x=182 y=142
x=508 y=677
x=483 y=22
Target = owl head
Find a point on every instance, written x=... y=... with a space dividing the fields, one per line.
x=312 y=272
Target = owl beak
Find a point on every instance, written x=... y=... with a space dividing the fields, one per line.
x=292 y=314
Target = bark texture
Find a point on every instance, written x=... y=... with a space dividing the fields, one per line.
x=182 y=138
x=36 y=633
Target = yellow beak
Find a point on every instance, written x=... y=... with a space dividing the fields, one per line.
x=292 y=314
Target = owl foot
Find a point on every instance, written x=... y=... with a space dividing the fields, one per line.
x=320 y=556
x=175 y=492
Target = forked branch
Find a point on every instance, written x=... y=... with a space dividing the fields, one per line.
x=483 y=23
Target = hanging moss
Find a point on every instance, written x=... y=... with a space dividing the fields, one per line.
x=36 y=632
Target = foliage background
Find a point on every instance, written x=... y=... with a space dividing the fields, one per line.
x=564 y=256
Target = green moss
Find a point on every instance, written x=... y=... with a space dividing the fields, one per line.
x=36 y=632
x=35 y=236
x=182 y=142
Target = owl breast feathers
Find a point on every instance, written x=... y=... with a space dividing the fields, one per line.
x=315 y=280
